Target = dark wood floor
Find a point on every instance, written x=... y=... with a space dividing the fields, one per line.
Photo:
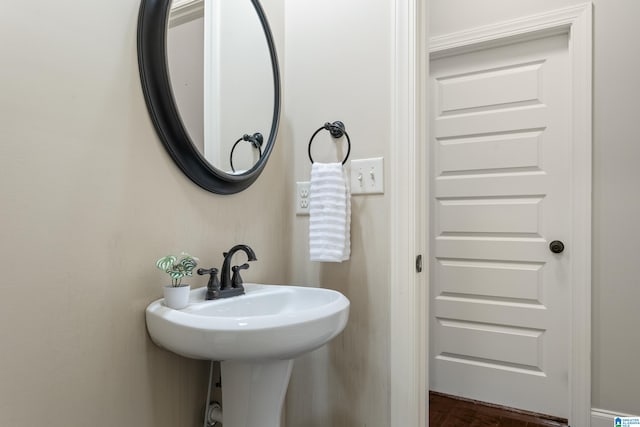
x=447 y=411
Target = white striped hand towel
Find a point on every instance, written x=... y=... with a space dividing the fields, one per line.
x=329 y=213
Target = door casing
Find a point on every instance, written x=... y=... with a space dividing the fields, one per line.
x=410 y=194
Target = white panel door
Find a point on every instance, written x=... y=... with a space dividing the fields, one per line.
x=500 y=147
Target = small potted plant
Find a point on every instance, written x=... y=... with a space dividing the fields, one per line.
x=176 y=295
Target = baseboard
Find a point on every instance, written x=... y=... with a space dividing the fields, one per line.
x=604 y=418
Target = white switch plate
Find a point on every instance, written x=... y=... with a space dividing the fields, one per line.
x=302 y=198
x=367 y=176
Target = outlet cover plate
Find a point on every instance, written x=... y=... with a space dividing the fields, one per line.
x=302 y=198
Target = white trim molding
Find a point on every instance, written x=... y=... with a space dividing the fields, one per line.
x=604 y=418
x=576 y=21
x=183 y=11
x=506 y=32
x=408 y=291
x=212 y=88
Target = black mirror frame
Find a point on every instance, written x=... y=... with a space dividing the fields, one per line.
x=154 y=75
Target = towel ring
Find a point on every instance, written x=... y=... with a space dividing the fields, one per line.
x=337 y=130
x=256 y=140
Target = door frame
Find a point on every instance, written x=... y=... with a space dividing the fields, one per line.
x=408 y=294
x=410 y=194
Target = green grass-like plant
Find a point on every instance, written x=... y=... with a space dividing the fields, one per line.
x=177 y=268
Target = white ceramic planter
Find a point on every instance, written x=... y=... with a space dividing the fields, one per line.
x=176 y=297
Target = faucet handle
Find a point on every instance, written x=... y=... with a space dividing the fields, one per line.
x=212 y=271
x=213 y=287
x=236 y=280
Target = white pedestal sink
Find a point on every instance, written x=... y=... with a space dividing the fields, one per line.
x=256 y=336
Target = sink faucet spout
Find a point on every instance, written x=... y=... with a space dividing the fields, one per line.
x=225 y=279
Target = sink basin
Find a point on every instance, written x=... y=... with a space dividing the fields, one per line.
x=268 y=322
x=256 y=336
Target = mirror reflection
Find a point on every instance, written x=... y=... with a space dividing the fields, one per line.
x=222 y=79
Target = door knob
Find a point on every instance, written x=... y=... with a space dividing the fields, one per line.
x=556 y=246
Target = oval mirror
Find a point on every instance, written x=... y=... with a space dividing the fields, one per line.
x=210 y=78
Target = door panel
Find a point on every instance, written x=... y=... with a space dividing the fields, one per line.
x=484 y=89
x=494 y=152
x=511 y=281
x=500 y=146
x=519 y=215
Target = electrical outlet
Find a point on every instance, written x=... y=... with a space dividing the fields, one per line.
x=302 y=198
x=367 y=176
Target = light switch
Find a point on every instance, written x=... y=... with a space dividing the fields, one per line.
x=367 y=176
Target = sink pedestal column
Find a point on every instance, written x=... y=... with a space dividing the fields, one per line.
x=253 y=392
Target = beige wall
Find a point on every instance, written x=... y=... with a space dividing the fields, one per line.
x=616 y=208
x=90 y=200
x=616 y=232
x=338 y=68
